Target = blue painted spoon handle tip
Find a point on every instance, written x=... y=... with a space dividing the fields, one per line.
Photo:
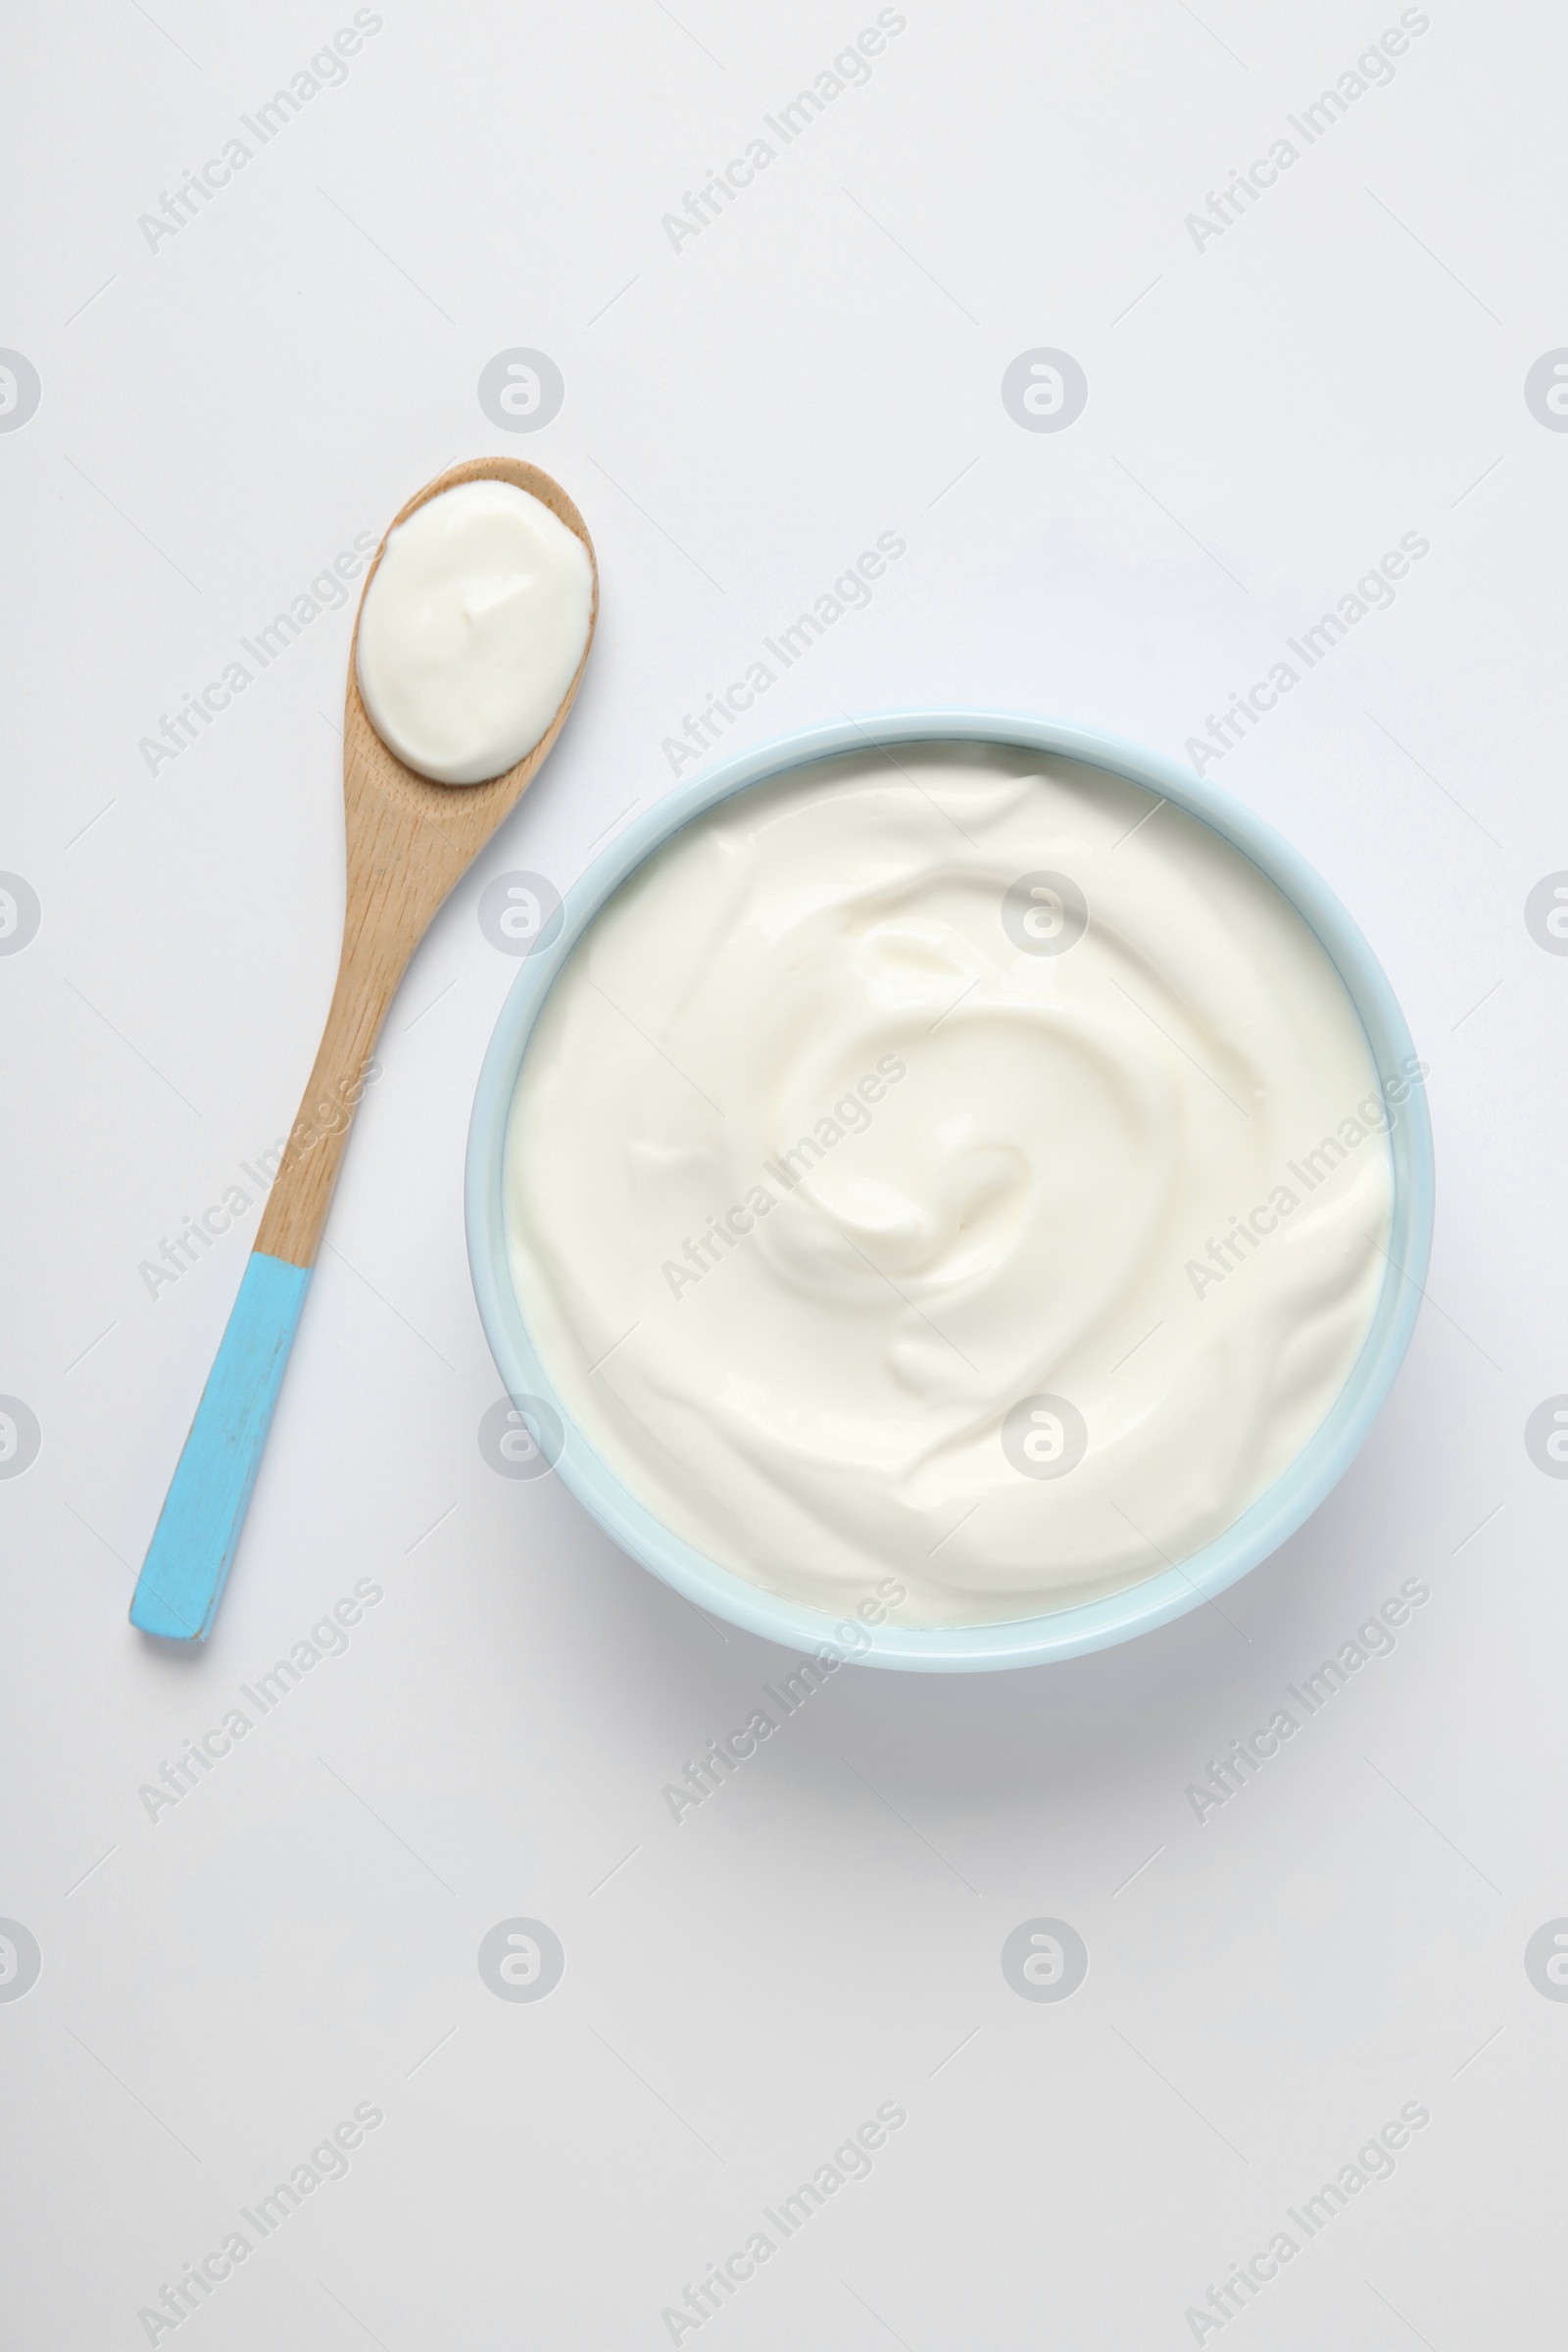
x=188 y=1559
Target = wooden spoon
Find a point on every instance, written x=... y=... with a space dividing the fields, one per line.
x=408 y=840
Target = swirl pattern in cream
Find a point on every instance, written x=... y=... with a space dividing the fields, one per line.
x=957 y=1163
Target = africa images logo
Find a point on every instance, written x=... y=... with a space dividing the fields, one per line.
x=1545 y=390
x=1546 y=1437
x=522 y=1960
x=20 y=390
x=1045 y=1960
x=1545 y=1959
x=19 y=1437
x=521 y=1436
x=20 y=1961
x=522 y=389
x=1045 y=390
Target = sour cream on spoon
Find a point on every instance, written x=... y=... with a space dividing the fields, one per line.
x=473 y=629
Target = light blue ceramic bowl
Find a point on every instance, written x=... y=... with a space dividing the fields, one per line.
x=1064 y=1632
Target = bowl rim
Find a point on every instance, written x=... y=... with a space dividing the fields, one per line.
x=1085 y=1626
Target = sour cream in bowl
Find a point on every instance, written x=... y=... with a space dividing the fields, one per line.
x=955 y=1189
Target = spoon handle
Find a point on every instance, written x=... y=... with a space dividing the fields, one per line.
x=187 y=1562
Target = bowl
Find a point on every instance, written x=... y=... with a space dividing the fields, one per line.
x=1061 y=1633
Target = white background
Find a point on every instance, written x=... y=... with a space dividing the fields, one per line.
x=1267 y=415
